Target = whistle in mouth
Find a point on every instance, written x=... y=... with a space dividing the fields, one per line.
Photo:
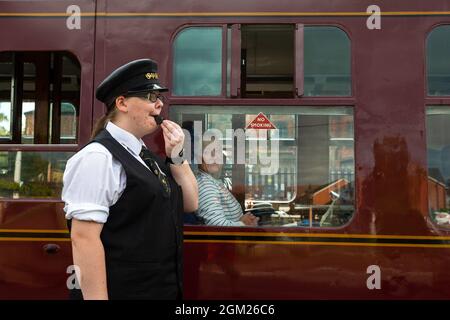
x=158 y=119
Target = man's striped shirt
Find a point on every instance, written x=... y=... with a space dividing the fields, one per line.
x=216 y=205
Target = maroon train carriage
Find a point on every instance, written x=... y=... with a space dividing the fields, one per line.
x=357 y=205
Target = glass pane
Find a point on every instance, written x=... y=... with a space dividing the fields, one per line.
x=438 y=63
x=68 y=123
x=70 y=100
x=6 y=72
x=221 y=122
x=28 y=104
x=301 y=174
x=327 y=69
x=28 y=112
x=29 y=78
x=285 y=123
x=267 y=53
x=63 y=86
x=280 y=184
x=32 y=174
x=5 y=119
x=68 y=96
x=438 y=151
x=198 y=62
x=71 y=74
x=229 y=61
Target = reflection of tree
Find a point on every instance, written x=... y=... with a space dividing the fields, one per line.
x=34 y=167
x=3 y=130
x=33 y=179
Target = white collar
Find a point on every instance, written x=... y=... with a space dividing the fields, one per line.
x=125 y=138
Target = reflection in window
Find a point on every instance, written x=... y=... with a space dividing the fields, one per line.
x=281 y=185
x=438 y=63
x=198 y=62
x=6 y=72
x=222 y=122
x=28 y=111
x=28 y=104
x=70 y=101
x=438 y=150
x=68 y=123
x=45 y=85
x=326 y=62
x=311 y=157
x=267 y=53
x=5 y=122
x=32 y=174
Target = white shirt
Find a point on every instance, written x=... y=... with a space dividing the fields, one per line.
x=94 y=180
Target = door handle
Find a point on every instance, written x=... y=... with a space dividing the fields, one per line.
x=51 y=248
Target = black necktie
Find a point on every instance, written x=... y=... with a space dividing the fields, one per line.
x=154 y=167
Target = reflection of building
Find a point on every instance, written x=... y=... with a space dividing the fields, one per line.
x=437 y=190
x=29 y=124
x=68 y=122
x=341 y=126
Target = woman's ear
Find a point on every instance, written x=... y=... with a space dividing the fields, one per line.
x=121 y=104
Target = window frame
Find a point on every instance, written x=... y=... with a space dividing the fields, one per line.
x=239 y=170
x=312 y=101
x=235 y=74
x=431 y=101
x=14 y=144
x=428 y=215
x=351 y=62
x=178 y=31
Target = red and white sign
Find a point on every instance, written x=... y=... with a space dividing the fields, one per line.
x=261 y=122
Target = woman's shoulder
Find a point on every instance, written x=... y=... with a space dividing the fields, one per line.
x=94 y=147
x=94 y=151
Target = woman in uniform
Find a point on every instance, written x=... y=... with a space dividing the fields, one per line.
x=125 y=204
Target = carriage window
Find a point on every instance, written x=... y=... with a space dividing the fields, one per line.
x=39 y=104
x=327 y=62
x=438 y=63
x=36 y=89
x=6 y=76
x=197 y=67
x=438 y=150
x=297 y=173
x=267 y=61
x=5 y=123
x=25 y=174
x=267 y=53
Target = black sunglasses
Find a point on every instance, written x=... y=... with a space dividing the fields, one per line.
x=150 y=96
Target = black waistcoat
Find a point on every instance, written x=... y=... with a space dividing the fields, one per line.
x=143 y=235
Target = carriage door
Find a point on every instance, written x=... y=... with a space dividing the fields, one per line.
x=46 y=72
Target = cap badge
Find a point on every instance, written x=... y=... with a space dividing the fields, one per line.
x=151 y=75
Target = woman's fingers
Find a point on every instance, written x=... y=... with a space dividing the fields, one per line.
x=173 y=131
x=172 y=137
x=173 y=127
x=170 y=125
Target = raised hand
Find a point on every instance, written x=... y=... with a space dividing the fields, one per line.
x=173 y=138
